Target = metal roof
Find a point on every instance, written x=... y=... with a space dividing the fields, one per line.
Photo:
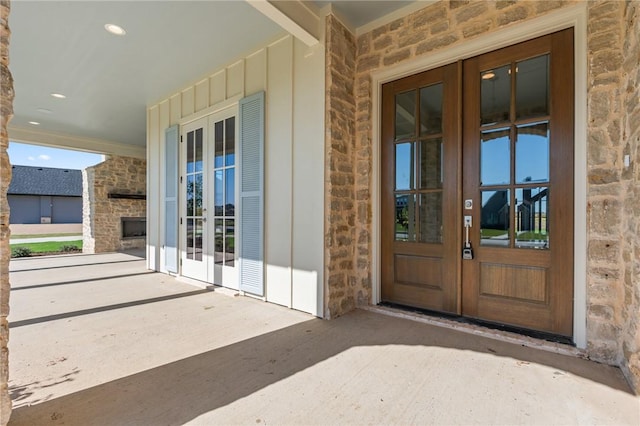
x=27 y=180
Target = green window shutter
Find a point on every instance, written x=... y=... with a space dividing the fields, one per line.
x=252 y=194
x=171 y=199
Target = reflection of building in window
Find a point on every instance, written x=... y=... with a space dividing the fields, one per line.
x=495 y=212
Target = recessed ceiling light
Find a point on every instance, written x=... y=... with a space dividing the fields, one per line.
x=44 y=111
x=34 y=123
x=115 y=29
x=58 y=95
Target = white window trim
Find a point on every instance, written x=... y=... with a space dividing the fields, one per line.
x=574 y=16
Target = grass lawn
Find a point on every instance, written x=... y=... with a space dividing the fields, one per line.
x=49 y=247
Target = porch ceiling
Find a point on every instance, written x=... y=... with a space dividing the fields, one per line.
x=62 y=47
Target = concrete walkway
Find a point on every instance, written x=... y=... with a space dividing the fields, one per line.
x=98 y=340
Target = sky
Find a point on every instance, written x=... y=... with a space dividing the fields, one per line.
x=40 y=156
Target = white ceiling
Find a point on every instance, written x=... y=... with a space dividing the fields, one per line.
x=62 y=46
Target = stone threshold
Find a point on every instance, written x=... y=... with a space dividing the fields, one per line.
x=478 y=330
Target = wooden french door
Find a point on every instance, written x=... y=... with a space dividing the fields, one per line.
x=515 y=190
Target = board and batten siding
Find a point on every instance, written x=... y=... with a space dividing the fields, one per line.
x=292 y=76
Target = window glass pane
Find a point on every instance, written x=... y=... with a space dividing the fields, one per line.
x=431 y=217
x=219 y=144
x=218 y=197
x=230 y=242
x=230 y=141
x=190 y=153
x=191 y=194
x=197 y=244
x=431 y=109
x=405 y=218
x=494 y=218
x=218 y=235
x=230 y=192
x=405 y=115
x=431 y=163
x=197 y=195
x=198 y=151
x=404 y=166
x=532 y=87
x=495 y=94
x=532 y=153
x=495 y=157
x=532 y=213
x=190 y=239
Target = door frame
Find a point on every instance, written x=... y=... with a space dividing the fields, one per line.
x=573 y=16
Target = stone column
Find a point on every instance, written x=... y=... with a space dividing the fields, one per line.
x=6 y=112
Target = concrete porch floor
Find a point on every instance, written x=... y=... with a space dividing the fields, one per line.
x=99 y=340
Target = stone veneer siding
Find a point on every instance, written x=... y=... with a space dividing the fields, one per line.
x=630 y=141
x=6 y=112
x=340 y=210
x=101 y=227
x=613 y=128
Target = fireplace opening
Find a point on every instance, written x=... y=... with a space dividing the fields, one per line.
x=133 y=227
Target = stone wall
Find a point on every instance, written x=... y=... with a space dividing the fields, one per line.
x=340 y=209
x=612 y=293
x=631 y=177
x=101 y=226
x=6 y=112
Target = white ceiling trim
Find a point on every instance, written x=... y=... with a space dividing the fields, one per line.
x=59 y=140
x=294 y=17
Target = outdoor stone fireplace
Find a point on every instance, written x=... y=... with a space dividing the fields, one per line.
x=114 y=205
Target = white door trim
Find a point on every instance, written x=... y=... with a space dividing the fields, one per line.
x=574 y=16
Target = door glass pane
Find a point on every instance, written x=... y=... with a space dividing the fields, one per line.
x=532 y=87
x=405 y=223
x=191 y=194
x=218 y=196
x=218 y=249
x=197 y=191
x=495 y=157
x=404 y=166
x=190 y=239
x=190 y=153
x=230 y=242
x=198 y=151
x=431 y=218
x=230 y=142
x=532 y=213
x=405 y=115
x=494 y=218
x=532 y=153
x=197 y=244
x=219 y=144
x=495 y=94
x=230 y=192
x=431 y=163
x=431 y=109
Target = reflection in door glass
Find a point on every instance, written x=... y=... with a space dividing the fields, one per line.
x=405 y=223
x=197 y=243
x=219 y=144
x=218 y=249
x=197 y=192
x=431 y=110
x=405 y=115
x=532 y=87
x=230 y=144
x=431 y=217
x=532 y=218
x=230 y=192
x=218 y=194
x=404 y=166
x=532 y=153
x=494 y=218
x=230 y=242
x=431 y=164
x=495 y=94
x=495 y=157
x=198 y=151
x=190 y=239
x=190 y=153
x=191 y=191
